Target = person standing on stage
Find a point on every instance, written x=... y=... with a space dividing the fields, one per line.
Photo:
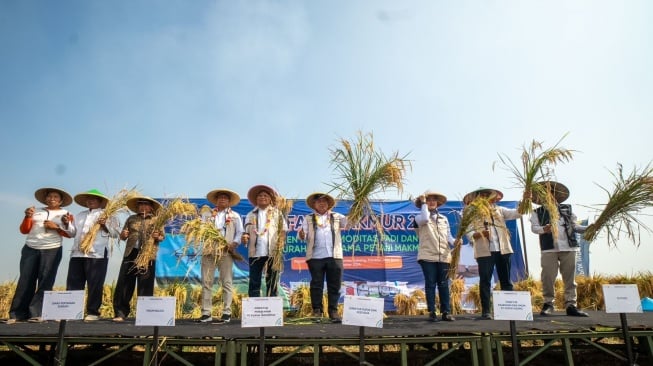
x=321 y=230
x=90 y=267
x=263 y=225
x=231 y=227
x=434 y=252
x=559 y=253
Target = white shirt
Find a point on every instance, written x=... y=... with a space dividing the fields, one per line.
x=83 y=224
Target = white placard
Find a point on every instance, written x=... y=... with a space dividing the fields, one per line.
x=156 y=310
x=363 y=311
x=622 y=299
x=60 y=305
x=512 y=305
x=262 y=312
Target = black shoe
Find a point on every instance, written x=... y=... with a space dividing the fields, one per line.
x=334 y=317
x=573 y=311
x=447 y=317
x=204 y=319
x=433 y=318
x=486 y=316
x=547 y=309
x=225 y=318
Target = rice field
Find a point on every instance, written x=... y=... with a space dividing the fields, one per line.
x=590 y=296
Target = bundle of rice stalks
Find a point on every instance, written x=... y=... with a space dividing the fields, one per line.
x=644 y=281
x=179 y=291
x=631 y=195
x=117 y=203
x=590 y=292
x=237 y=304
x=7 y=290
x=168 y=211
x=478 y=210
x=536 y=165
x=301 y=299
x=204 y=238
x=457 y=289
x=474 y=295
x=284 y=206
x=362 y=171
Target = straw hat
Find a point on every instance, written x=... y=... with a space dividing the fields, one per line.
x=310 y=200
x=496 y=194
x=81 y=198
x=132 y=203
x=212 y=196
x=40 y=194
x=559 y=190
x=438 y=196
x=254 y=191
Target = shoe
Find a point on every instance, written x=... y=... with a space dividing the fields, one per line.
x=547 y=309
x=447 y=317
x=334 y=317
x=119 y=319
x=433 y=318
x=225 y=318
x=35 y=319
x=91 y=318
x=317 y=314
x=11 y=321
x=204 y=319
x=573 y=311
x=486 y=316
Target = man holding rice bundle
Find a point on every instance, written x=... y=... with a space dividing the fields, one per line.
x=263 y=225
x=321 y=230
x=491 y=240
x=90 y=268
x=230 y=225
x=559 y=253
x=434 y=252
x=136 y=231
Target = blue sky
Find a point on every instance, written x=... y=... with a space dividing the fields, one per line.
x=181 y=97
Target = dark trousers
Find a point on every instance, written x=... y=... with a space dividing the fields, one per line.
x=91 y=271
x=256 y=267
x=330 y=269
x=486 y=267
x=38 y=270
x=128 y=277
x=436 y=274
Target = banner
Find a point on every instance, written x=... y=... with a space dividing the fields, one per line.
x=372 y=267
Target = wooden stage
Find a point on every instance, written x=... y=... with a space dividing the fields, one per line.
x=403 y=340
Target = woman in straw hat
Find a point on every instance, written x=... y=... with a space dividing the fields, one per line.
x=262 y=228
x=492 y=248
x=321 y=230
x=434 y=252
x=558 y=253
x=40 y=257
x=231 y=227
x=136 y=231
x=89 y=267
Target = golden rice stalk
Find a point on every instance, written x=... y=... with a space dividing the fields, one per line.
x=284 y=206
x=301 y=300
x=169 y=210
x=536 y=165
x=631 y=194
x=204 y=238
x=457 y=290
x=7 y=290
x=114 y=205
x=590 y=291
x=478 y=210
x=362 y=172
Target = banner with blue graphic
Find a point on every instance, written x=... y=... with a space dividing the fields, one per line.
x=373 y=267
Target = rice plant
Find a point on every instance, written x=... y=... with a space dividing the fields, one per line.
x=631 y=194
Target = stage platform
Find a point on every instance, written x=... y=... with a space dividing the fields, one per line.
x=403 y=340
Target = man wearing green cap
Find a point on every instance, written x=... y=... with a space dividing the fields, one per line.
x=89 y=257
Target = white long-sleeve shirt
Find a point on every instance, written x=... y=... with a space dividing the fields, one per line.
x=83 y=224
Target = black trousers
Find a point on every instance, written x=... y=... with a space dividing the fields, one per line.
x=89 y=272
x=486 y=269
x=256 y=267
x=329 y=269
x=128 y=277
